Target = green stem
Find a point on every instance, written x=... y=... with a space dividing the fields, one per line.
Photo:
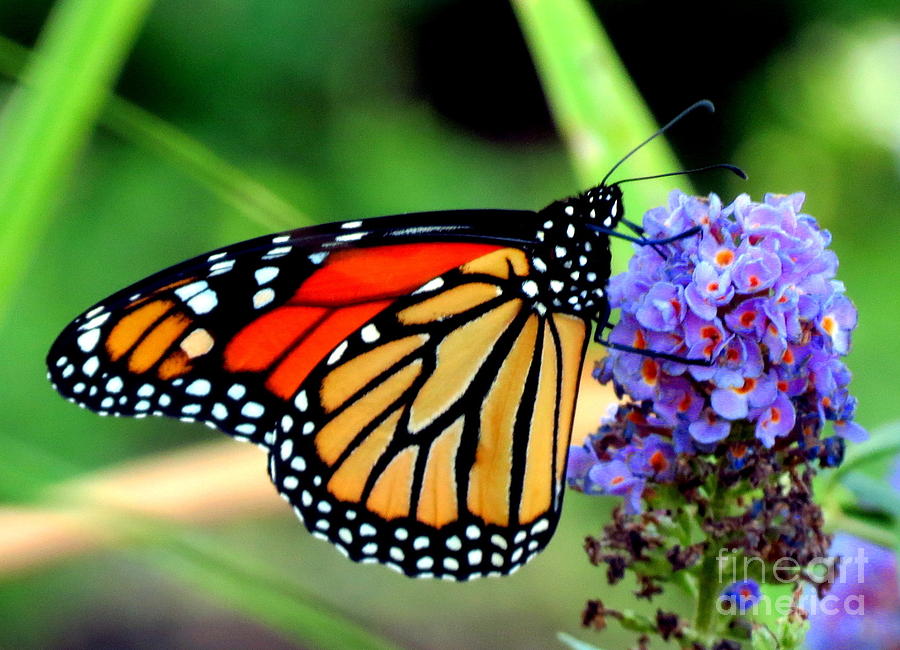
x=707 y=591
x=708 y=586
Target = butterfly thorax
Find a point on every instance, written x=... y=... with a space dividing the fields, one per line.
x=572 y=259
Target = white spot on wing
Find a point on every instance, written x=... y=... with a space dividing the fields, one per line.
x=221 y=267
x=204 y=302
x=198 y=387
x=265 y=274
x=350 y=225
x=530 y=288
x=280 y=251
x=431 y=285
x=190 y=290
x=95 y=322
x=88 y=341
x=318 y=258
x=370 y=333
x=353 y=236
x=335 y=356
x=252 y=410
x=263 y=297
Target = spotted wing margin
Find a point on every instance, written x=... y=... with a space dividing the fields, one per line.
x=436 y=441
x=160 y=346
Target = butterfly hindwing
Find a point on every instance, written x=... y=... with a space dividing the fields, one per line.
x=434 y=437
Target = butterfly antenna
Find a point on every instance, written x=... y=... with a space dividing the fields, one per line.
x=703 y=103
x=737 y=171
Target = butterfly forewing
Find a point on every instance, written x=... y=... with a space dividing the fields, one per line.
x=213 y=339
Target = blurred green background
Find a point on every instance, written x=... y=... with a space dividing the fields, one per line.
x=358 y=108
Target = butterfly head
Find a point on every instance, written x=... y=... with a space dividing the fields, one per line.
x=603 y=206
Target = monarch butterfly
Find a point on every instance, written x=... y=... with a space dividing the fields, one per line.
x=413 y=378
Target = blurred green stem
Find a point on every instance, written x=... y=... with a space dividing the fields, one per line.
x=597 y=107
x=227 y=182
x=48 y=118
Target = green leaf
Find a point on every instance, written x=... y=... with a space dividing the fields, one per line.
x=48 y=118
x=597 y=107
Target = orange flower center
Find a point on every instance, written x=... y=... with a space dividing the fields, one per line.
x=749 y=385
x=650 y=371
x=639 y=341
x=658 y=461
x=724 y=257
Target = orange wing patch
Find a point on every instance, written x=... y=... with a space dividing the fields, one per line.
x=364 y=274
x=437 y=498
x=156 y=342
x=390 y=497
x=336 y=436
x=131 y=327
x=349 y=481
x=572 y=331
x=449 y=303
x=459 y=356
x=537 y=482
x=347 y=379
x=490 y=477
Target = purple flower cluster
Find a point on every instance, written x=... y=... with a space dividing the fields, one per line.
x=754 y=294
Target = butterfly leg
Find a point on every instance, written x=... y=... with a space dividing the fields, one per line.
x=645 y=242
x=598 y=338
